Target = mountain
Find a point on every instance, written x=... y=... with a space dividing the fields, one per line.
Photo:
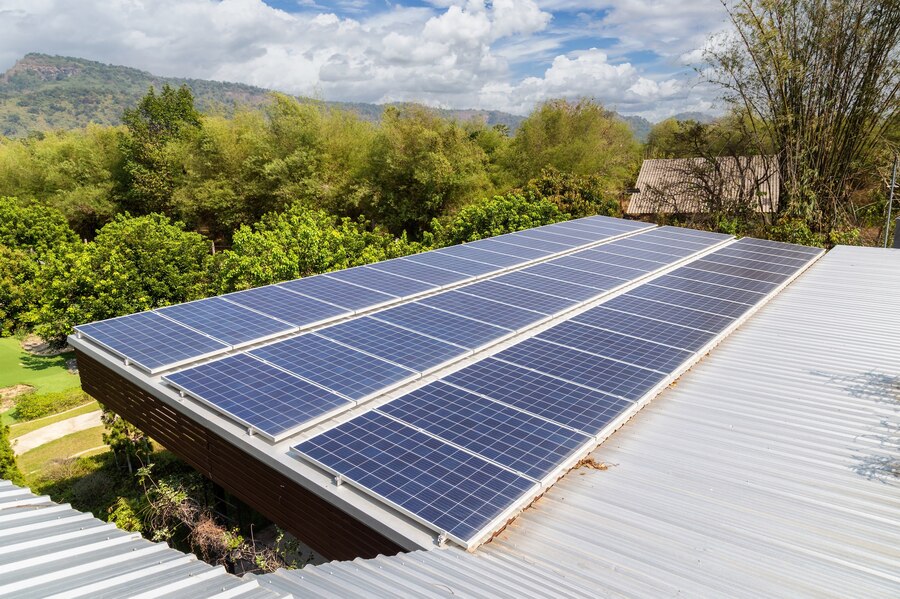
x=639 y=126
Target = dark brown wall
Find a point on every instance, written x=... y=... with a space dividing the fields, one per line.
x=326 y=529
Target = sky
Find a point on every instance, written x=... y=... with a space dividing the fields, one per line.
x=634 y=56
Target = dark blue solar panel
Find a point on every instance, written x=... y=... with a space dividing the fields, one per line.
x=456 y=263
x=738 y=271
x=226 y=321
x=497 y=259
x=777 y=247
x=485 y=310
x=523 y=252
x=585 y=235
x=721 y=258
x=150 y=340
x=352 y=297
x=630 y=253
x=579 y=277
x=669 y=313
x=749 y=254
x=639 y=352
x=600 y=268
x=708 y=289
x=520 y=241
x=447 y=487
x=689 y=300
x=286 y=305
x=257 y=394
x=348 y=371
x=598 y=255
x=372 y=278
x=525 y=443
x=674 y=237
x=716 y=278
x=602 y=374
x=569 y=404
x=571 y=291
x=666 y=250
x=404 y=347
x=442 y=325
x=649 y=329
x=516 y=296
x=558 y=238
x=697 y=234
x=421 y=272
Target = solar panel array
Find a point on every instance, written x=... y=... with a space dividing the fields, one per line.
x=224 y=323
x=367 y=356
x=535 y=407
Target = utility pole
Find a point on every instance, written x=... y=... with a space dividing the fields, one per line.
x=887 y=223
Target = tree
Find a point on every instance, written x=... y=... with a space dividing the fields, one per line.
x=575 y=195
x=821 y=80
x=8 y=468
x=125 y=439
x=496 y=216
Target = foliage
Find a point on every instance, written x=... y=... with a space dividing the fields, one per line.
x=126 y=514
x=795 y=230
x=575 y=195
x=8 y=468
x=37 y=405
x=125 y=439
x=495 y=216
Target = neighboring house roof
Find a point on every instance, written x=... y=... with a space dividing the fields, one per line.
x=688 y=185
x=770 y=469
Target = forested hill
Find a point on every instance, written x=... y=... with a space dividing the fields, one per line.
x=42 y=92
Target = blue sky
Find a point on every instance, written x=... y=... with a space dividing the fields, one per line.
x=635 y=56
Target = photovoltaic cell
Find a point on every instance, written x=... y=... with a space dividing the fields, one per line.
x=669 y=313
x=598 y=268
x=630 y=253
x=639 y=352
x=420 y=272
x=257 y=394
x=518 y=242
x=342 y=369
x=778 y=247
x=285 y=305
x=646 y=328
x=598 y=255
x=579 y=277
x=716 y=278
x=485 y=310
x=525 y=443
x=564 y=289
x=516 y=296
x=333 y=291
x=721 y=258
x=496 y=259
x=708 y=289
x=466 y=332
x=412 y=350
x=561 y=401
x=747 y=253
x=602 y=374
x=738 y=271
x=452 y=490
x=522 y=252
x=226 y=321
x=665 y=252
x=558 y=238
x=372 y=278
x=442 y=259
x=691 y=300
x=150 y=341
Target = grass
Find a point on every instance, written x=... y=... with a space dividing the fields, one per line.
x=20 y=428
x=45 y=373
x=39 y=458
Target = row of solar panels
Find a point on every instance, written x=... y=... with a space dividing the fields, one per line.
x=168 y=337
x=278 y=388
x=465 y=452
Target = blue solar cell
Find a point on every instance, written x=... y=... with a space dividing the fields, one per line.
x=286 y=305
x=150 y=340
x=378 y=280
x=525 y=443
x=571 y=291
x=599 y=268
x=257 y=394
x=709 y=289
x=721 y=258
x=668 y=313
x=452 y=490
x=226 y=321
x=563 y=402
x=738 y=271
x=520 y=240
x=421 y=272
x=747 y=253
x=646 y=354
x=630 y=253
x=326 y=289
x=778 y=247
x=458 y=330
x=562 y=239
x=523 y=252
x=485 y=310
x=516 y=296
x=675 y=242
x=442 y=259
x=598 y=255
x=602 y=374
x=716 y=278
x=584 y=234
x=401 y=346
x=496 y=259
x=348 y=371
x=666 y=251
x=690 y=300
x=652 y=330
x=698 y=234
x=579 y=277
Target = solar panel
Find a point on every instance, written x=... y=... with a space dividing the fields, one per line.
x=630 y=253
x=646 y=328
x=278 y=302
x=666 y=250
x=227 y=322
x=522 y=252
x=334 y=366
x=602 y=374
x=708 y=289
x=521 y=241
x=557 y=237
x=401 y=346
x=721 y=258
x=699 y=234
x=561 y=401
x=517 y=296
x=668 y=313
x=582 y=234
x=447 y=488
x=564 y=289
x=257 y=394
x=442 y=259
x=150 y=340
x=527 y=444
x=421 y=272
x=717 y=278
x=599 y=255
x=485 y=310
x=691 y=300
x=640 y=352
x=737 y=251
x=778 y=247
x=600 y=268
x=488 y=257
x=466 y=332
x=579 y=277
x=373 y=278
x=738 y=271
x=333 y=291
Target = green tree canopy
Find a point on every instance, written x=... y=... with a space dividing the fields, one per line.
x=8 y=468
x=574 y=195
x=496 y=216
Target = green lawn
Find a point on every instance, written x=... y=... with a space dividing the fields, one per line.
x=45 y=373
x=36 y=460
x=17 y=429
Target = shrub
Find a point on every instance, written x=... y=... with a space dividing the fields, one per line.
x=32 y=405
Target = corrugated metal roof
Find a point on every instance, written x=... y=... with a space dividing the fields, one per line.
x=689 y=185
x=770 y=469
x=48 y=549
